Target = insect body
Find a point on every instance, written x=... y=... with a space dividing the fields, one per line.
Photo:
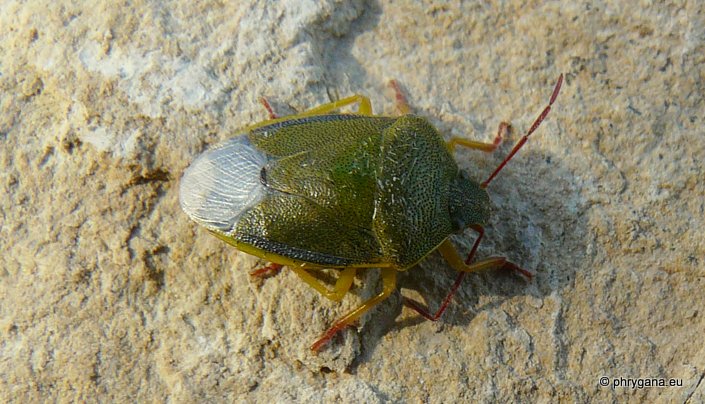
x=342 y=191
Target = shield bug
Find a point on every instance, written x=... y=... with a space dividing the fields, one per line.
x=341 y=191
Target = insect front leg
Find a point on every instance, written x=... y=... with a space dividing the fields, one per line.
x=449 y=252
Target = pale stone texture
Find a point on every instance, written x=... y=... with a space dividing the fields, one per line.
x=110 y=292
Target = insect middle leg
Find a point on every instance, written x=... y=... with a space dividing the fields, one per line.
x=342 y=285
x=502 y=131
x=389 y=283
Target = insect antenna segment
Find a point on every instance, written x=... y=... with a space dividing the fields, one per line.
x=523 y=140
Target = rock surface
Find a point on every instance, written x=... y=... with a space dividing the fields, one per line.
x=109 y=291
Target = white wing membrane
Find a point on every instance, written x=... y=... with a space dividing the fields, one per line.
x=222 y=183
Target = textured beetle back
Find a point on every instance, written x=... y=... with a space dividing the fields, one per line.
x=330 y=190
x=223 y=183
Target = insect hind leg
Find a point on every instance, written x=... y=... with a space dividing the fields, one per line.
x=270 y=111
x=364 y=106
x=402 y=103
x=268 y=270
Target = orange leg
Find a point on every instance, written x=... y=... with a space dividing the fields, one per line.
x=268 y=107
x=402 y=104
x=271 y=269
x=389 y=282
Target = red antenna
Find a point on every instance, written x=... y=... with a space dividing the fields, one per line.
x=523 y=140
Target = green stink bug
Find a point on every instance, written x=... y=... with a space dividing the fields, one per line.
x=345 y=191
